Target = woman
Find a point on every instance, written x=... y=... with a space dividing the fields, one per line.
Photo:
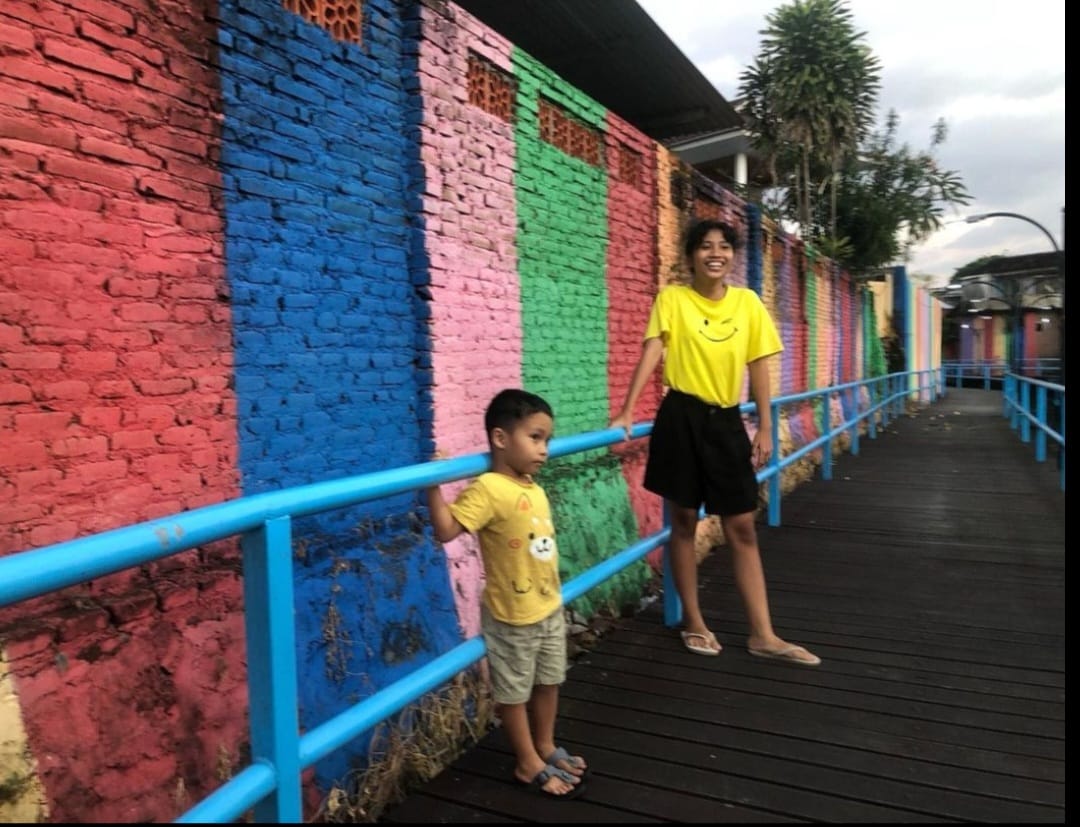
x=699 y=452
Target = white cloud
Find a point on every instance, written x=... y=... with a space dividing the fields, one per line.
x=994 y=70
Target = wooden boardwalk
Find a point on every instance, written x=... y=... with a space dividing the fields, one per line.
x=929 y=574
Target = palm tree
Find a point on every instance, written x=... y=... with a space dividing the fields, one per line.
x=812 y=87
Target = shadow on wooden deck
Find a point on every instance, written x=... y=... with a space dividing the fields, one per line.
x=929 y=574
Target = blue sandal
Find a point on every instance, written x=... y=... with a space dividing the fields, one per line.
x=574 y=761
x=546 y=774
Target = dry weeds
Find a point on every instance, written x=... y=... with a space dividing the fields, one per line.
x=421 y=742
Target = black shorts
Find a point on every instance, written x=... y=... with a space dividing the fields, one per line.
x=700 y=453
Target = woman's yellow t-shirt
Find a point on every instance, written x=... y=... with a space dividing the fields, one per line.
x=709 y=343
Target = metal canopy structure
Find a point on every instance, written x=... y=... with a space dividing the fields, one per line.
x=1028 y=281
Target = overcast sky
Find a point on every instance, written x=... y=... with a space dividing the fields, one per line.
x=994 y=70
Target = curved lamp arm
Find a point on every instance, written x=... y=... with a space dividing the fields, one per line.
x=974 y=219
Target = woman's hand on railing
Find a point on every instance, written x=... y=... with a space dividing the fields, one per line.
x=761 y=448
x=624 y=421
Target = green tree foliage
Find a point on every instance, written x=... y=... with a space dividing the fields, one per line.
x=809 y=97
x=809 y=101
x=891 y=197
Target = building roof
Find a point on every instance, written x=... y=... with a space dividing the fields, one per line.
x=1035 y=280
x=615 y=53
x=1032 y=264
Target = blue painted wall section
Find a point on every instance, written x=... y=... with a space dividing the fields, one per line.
x=754 y=266
x=329 y=335
x=900 y=308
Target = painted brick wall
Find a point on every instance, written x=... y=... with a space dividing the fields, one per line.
x=115 y=332
x=243 y=255
x=332 y=354
x=115 y=396
x=632 y=280
x=470 y=256
x=563 y=227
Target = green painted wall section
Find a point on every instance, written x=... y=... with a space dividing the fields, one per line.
x=562 y=253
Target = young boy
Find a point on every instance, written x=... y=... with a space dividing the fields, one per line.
x=522 y=612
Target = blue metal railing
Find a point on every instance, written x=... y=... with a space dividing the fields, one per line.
x=271 y=784
x=994 y=370
x=987 y=371
x=1027 y=400
x=1047 y=408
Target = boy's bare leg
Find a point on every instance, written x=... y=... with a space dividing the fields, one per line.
x=515 y=720
x=543 y=708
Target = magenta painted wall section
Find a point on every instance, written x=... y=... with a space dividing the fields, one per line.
x=469 y=216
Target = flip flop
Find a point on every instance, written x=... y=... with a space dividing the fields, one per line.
x=575 y=761
x=690 y=641
x=536 y=785
x=788 y=654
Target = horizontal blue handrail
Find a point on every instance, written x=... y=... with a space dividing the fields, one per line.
x=1024 y=412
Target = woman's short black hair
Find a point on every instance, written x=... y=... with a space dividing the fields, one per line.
x=697 y=231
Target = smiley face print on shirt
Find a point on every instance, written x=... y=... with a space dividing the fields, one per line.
x=716 y=331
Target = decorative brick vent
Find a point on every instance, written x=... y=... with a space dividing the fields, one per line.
x=629 y=167
x=571 y=136
x=339 y=17
x=492 y=89
x=682 y=188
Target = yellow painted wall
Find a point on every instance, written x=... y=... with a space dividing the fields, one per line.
x=22 y=798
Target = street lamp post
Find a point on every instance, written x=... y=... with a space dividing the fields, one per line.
x=1059 y=263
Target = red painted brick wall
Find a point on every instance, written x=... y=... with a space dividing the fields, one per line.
x=633 y=276
x=115 y=396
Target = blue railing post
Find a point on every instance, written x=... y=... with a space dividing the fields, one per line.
x=873 y=395
x=826 y=449
x=855 y=398
x=1025 y=402
x=1040 y=433
x=672 y=602
x=1062 y=425
x=886 y=391
x=271 y=655
x=774 y=480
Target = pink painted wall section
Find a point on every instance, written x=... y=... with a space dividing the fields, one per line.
x=115 y=396
x=470 y=230
x=632 y=278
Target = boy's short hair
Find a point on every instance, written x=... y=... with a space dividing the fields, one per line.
x=697 y=231
x=508 y=407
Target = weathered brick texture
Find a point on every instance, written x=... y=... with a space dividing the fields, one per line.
x=115 y=393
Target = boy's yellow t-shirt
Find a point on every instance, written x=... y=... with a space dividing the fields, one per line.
x=709 y=343
x=517 y=543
